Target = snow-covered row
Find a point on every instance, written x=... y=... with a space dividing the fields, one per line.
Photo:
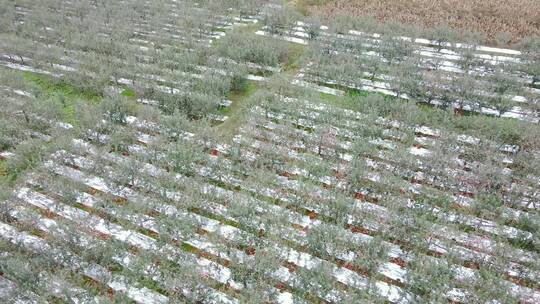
x=513 y=270
x=96 y=272
x=482 y=224
x=368 y=85
x=166 y=28
x=207 y=224
x=251 y=141
x=312 y=111
x=389 y=292
x=380 y=87
x=518 y=288
x=134 y=238
x=360 y=203
x=331 y=181
x=9 y=291
x=54 y=285
x=502 y=53
x=293 y=139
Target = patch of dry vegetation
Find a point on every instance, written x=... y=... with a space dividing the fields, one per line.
x=514 y=19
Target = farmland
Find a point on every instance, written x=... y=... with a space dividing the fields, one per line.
x=501 y=21
x=240 y=152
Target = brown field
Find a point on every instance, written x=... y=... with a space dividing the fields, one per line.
x=513 y=18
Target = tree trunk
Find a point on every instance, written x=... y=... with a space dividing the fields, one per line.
x=458 y=111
